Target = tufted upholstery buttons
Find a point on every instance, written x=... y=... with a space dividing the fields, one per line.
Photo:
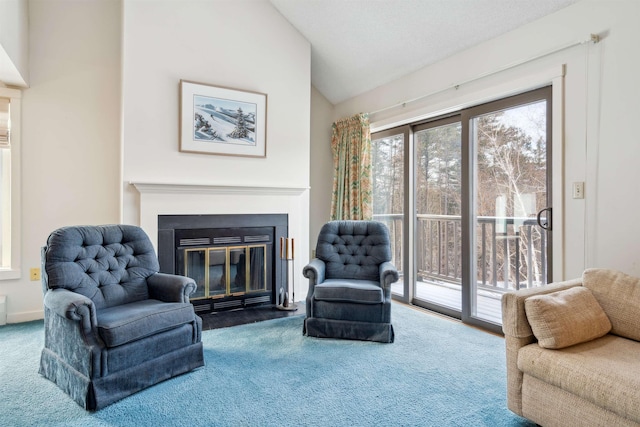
x=353 y=249
x=108 y=264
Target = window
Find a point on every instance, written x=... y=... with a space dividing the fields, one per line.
x=9 y=183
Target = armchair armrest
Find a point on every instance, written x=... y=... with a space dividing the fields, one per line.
x=72 y=306
x=314 y=271
x=71 y=331
x=388 y=274
x=170 y=287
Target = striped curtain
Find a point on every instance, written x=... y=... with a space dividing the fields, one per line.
x=351 y=147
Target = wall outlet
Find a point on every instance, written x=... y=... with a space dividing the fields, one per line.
x=34 y=274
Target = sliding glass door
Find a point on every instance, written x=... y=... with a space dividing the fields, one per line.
x=467 y=198
x=438 y=236
x=509 y=199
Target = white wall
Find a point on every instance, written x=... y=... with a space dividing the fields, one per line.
x=70 y=131
x=321 y=157
x=244 y=45
x=14 y=42
x=613 y=209
x=601 y=144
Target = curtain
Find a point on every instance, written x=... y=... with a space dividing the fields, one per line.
x=351 y=147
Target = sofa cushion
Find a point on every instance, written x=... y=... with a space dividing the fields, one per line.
x=564 y=318
x=619 y=295
x=604 y=372
x=129 y=322
x=358 y=291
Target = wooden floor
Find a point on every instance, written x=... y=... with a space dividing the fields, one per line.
x=488 y=303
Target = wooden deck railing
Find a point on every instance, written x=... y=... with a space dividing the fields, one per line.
x=511 y=251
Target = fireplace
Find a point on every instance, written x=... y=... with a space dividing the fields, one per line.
x=232 y=258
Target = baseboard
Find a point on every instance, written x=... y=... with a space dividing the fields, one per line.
x=25 y=316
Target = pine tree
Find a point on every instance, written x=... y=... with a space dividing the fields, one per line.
x=200 y=121
x=241 y=130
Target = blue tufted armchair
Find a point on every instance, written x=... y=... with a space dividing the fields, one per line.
x=113 y=324
x=350 y=283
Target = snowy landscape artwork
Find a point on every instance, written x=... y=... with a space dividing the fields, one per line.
x=219 y=120
x=224 y=121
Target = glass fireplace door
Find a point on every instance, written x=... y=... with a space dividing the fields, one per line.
x=224 y=271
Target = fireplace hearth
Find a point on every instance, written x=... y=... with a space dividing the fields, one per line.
x=232 y=258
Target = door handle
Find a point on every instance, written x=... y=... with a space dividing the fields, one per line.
x=547 y=224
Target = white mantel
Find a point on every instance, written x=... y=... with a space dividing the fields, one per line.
x=158 y=198
x=169 y=188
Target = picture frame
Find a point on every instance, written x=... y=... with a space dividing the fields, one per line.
x=221 y=120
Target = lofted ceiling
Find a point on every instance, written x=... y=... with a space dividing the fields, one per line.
x=358 y=45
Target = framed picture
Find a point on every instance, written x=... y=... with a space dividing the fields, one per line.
x=224 y=121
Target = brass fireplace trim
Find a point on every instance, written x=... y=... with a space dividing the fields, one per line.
x=227 y=269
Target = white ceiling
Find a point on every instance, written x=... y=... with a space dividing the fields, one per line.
x=358 y=45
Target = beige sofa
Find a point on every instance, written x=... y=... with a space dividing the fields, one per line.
x=573 y=351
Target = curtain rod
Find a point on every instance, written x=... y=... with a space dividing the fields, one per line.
x=593 y=38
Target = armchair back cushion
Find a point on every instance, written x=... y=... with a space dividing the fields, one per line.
x=107 y=264
x=353 y=249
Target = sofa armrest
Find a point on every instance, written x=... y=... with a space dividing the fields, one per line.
x=72 y=306
x=518 y=334
x=170 y=287
x=514 y=318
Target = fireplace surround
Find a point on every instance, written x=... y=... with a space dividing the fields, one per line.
x=232 y=257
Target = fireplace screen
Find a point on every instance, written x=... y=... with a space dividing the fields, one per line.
x=226 y=271
x=231 y=258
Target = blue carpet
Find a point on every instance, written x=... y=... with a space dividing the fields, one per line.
x=437 y=373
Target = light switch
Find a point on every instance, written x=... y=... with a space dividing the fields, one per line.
x=578 y=190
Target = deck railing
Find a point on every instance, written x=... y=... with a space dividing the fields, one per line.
x=511 y=251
